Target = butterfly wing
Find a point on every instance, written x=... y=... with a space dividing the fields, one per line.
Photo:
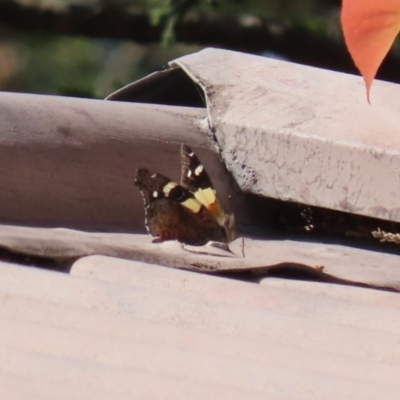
x=172 y=212
x=195 y=178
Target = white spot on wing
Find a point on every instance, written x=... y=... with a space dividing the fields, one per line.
x=189 y=173
x=155 y=193
x=153 y=176
x=198 y=170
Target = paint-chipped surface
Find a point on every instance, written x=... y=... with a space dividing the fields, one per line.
x=304 y=134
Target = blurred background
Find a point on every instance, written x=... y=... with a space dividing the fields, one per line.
x=89 y=48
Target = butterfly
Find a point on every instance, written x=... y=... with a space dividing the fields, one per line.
x=190 y=212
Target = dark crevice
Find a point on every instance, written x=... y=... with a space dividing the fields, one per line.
x=280 y=220
x=60 y=265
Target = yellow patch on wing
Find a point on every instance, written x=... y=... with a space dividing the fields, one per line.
x=206 y=196
x=168 y=187
x=192 y=204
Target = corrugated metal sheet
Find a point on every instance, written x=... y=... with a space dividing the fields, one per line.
x=124 y=329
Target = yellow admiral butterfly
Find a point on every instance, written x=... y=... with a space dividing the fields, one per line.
x=190 y=212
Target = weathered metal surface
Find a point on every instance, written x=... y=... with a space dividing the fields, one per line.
x=132 y=329
x=120 y=329
x=72 y=162
x=331 y=263
x=299 y=133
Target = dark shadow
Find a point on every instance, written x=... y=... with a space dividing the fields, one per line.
x=171 y=87
x=279 y=220
x=59 y=265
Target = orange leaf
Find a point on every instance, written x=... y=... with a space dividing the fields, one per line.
x=370 y=27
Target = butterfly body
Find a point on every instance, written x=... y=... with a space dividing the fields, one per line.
x=191 y=212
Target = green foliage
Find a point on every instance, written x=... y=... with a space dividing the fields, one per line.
x=168 y=13
x=58 y=65
x=86 y=67
x=76 y=66
x=280 y=9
